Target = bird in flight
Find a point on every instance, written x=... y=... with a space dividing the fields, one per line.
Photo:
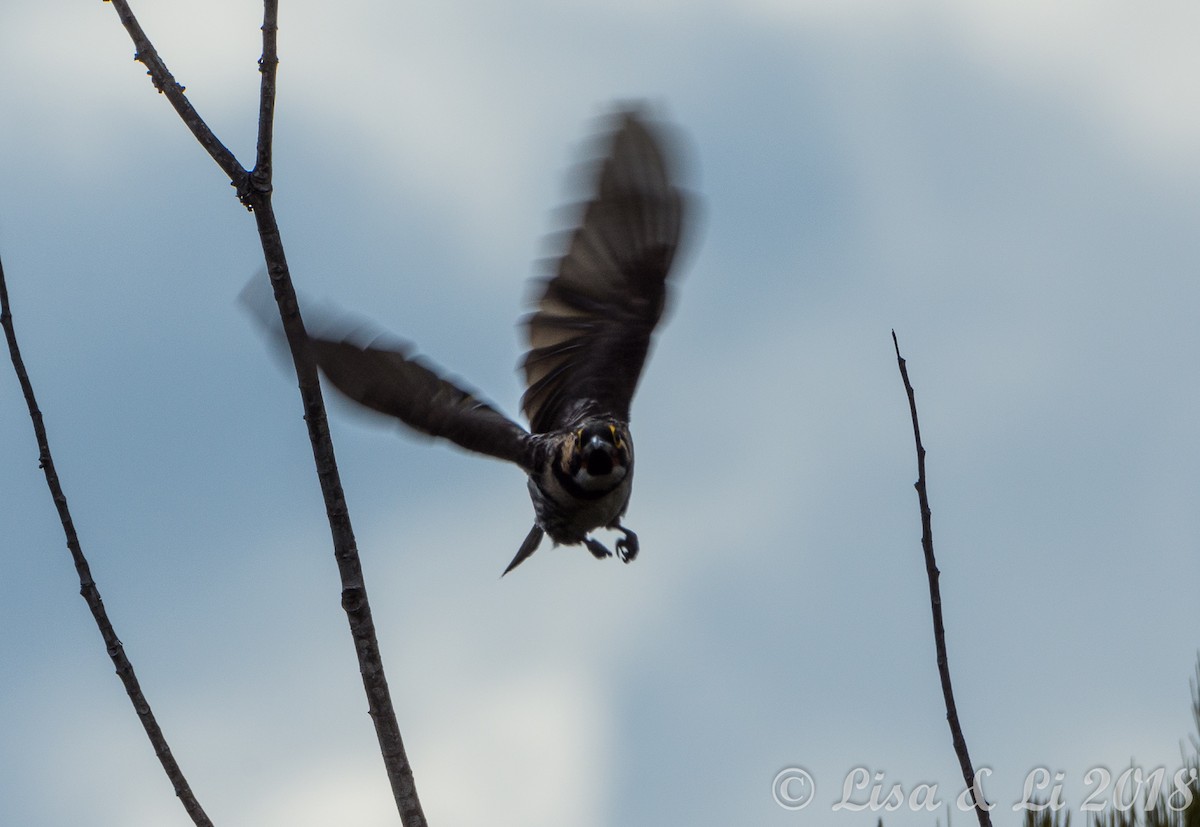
x=589 y=335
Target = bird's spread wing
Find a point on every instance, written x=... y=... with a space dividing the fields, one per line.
x=591 y=329
x=391 y=380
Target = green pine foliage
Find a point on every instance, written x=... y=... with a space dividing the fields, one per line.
x=1046 y=818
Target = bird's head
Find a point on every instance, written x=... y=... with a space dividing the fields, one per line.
x=599 y=455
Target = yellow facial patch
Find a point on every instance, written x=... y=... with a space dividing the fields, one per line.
x=617 y=441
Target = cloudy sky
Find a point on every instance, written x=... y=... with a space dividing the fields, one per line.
x=1012 y=186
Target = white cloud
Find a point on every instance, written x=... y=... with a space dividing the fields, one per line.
x=1131 y=64
x=526 y=750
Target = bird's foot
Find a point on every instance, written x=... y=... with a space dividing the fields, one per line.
x=627 y=547
x=597 y=548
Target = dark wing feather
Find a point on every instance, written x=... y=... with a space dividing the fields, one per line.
x=391 y=381
x=591 y=331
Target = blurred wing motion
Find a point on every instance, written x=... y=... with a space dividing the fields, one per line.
x=588 y=339
x=591 y=330
x=391 y=381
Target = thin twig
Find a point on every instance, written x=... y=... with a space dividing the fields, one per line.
x=254 y=190
x=87 y=586
x=268 y=65
x=165 y=83
x=935 y=597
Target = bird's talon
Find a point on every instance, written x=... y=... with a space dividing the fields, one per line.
x=597 y=549
x=627 y=547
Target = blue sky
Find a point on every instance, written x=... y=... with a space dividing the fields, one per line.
x=1013 y=187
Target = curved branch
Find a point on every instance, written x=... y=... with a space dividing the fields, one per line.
x=87 y=586
x=166 y=84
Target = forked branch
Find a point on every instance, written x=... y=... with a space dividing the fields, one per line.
x=165 y=83
x=254 y=189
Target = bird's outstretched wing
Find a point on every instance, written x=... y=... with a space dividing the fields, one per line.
x=591 y=329
x=389 y=379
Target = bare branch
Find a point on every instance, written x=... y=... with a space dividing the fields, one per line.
x=254 y=190
x=165 y=83
x=935 y=597
x=87 y=586
x=268 y=65
x=354 y=592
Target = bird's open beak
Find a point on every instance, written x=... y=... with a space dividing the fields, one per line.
x=601 y=457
